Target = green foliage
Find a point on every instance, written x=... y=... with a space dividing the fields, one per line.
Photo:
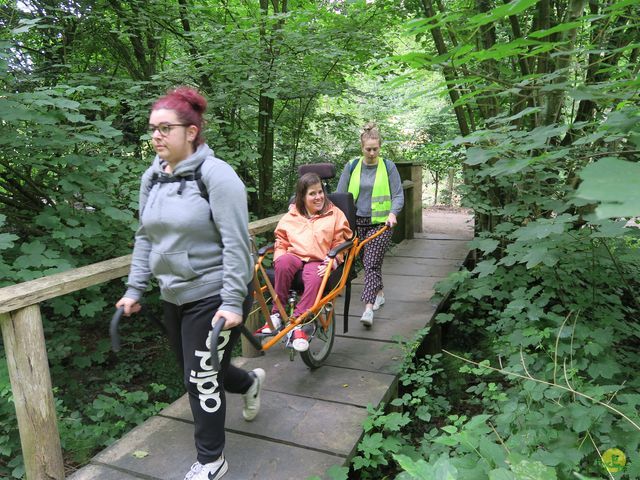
x=107 y=418
x=548 y=314
x=9 y=438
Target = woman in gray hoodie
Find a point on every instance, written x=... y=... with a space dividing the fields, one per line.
x=193 y=238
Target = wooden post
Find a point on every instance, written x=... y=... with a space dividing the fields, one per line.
x=28 y=365
x=416 y=178
x=413 y=205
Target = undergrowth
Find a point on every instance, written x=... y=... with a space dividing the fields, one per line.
x=99 y=395
x=537 y=380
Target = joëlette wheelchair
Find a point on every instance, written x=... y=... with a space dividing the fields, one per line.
x=319 y=319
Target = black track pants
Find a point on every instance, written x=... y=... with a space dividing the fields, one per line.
x=188 y=329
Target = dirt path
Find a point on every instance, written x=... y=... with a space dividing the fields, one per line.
x=455 y=222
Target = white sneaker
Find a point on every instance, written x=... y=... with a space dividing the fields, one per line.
x=266 y=329
x=300 y=341
x=208 y=471
x=379 y=302
x=252 y=397
x=367 y=318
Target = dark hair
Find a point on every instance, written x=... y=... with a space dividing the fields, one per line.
x=370 y=132
x=304 y=182
x=189 y=106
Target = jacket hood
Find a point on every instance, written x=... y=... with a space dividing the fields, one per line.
x=186 y=166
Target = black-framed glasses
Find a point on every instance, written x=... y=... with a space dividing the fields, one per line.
x=164 y=128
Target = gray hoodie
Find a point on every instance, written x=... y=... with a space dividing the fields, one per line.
x=195 y=249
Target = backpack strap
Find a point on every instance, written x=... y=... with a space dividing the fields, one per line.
x=195 y=176
x=354 y=162
x=352 y=165
x=204 y=193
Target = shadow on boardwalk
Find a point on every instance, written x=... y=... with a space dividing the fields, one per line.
x=310 y=420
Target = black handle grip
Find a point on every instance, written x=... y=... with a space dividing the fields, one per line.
x=113 y=329
x=213 y=343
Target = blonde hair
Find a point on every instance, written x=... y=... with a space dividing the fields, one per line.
x=370 y=132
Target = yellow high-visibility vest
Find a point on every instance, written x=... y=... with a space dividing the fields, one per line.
x=381 y=194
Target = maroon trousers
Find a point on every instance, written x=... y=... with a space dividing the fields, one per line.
x=286 y=266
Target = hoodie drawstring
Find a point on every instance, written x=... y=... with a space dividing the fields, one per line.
x=183 y=182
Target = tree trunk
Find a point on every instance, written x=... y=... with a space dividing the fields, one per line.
x=448 y=72
x=452 y=174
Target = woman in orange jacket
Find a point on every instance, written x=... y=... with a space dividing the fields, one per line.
x=304 y=236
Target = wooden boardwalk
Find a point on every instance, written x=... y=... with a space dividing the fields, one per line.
x=310 y=420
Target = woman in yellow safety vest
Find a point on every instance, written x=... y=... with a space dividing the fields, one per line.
x=377 y=190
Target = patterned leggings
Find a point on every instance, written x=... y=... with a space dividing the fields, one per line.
x=372 y=256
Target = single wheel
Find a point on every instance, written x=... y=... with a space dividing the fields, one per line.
x=320 y=344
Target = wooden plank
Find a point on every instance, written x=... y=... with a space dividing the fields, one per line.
x=265 y=225
x=33 y=292
x=28 y=366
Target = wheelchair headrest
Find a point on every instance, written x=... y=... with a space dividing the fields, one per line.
x=323 y=170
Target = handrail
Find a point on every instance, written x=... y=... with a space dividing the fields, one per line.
x=35 y=291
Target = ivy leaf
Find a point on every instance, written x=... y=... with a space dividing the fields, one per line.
x=444 y=469
x=33 y=248
x=6 y=240
x=485 y=268
x=605 y=369
x=91 y=308
x=487 y=245
x=116 y=214
x=336 y=472
x=610 y=229
x=392 y=444
x=614 y=184
x=371 y=445
x=73 y=243
x=501 y=474
x=543 y=228
x=594 y=349
x=444 y=317
x=395 y=421
x=477 y=155
x=416 y=468
x=539 y=255
x=528 y=470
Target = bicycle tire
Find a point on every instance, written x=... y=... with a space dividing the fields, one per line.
x=321 y=344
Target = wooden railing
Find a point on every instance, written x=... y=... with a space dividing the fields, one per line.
x=26 y=352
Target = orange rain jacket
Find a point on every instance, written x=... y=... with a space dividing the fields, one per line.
x=310 y=239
